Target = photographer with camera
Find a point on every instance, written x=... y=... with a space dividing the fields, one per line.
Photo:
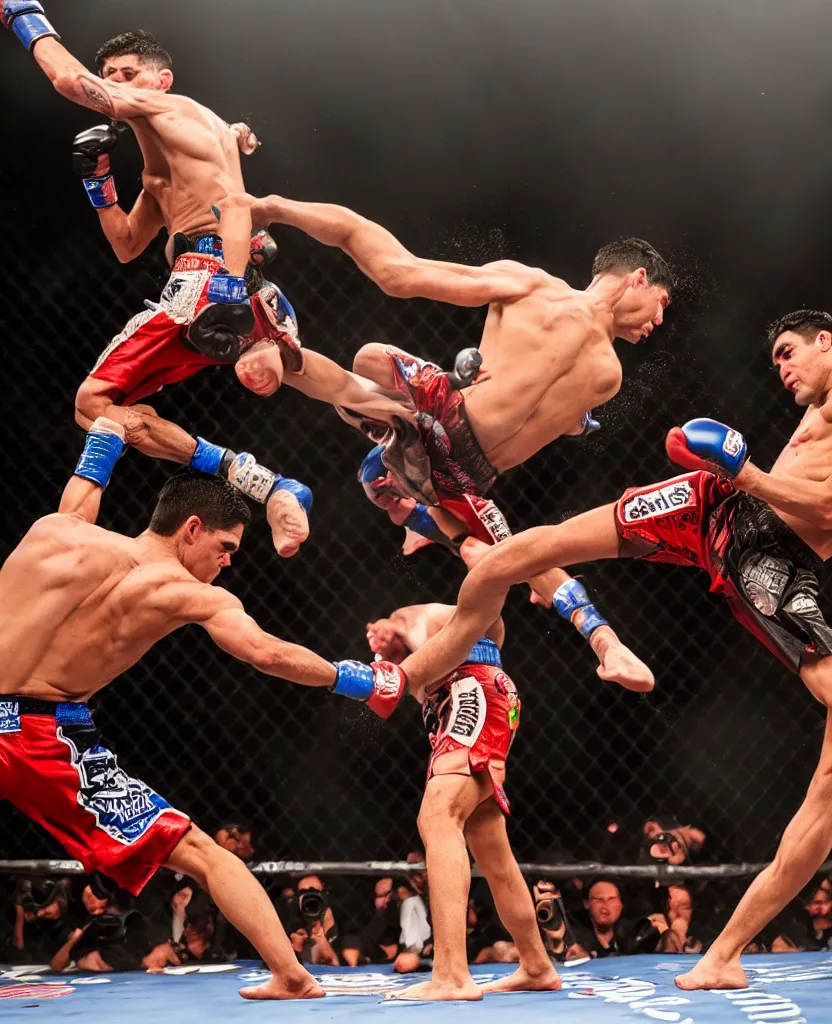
x=115 y=937
x=310 y=922
x=555 y=926
x=40 y=911
x=377 y=942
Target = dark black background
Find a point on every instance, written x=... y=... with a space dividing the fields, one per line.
x=473 y=129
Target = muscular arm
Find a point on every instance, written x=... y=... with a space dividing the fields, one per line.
x=325 y=380
x=231 y=629
x=75 y=83
x=386 y=261
x=129 y=234
x=808 y=499
x=81 y=498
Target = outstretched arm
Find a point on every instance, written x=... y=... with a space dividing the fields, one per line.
x=75 y=83
x=225 y=619
x=102 y=449
x=386 y=261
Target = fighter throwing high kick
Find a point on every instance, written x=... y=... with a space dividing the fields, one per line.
x=761 y=537
x=205 y=315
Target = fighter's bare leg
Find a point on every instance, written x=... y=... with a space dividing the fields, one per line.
x=143 y=427
x=241 y=899
x=487 y=839
x=586 y=538
x=235 y=229
x=448 y=802
x=803 y=848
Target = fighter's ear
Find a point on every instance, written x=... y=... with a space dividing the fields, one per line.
x=640 y=278
x=165 y=79
x=823 y=339
x=191 y=529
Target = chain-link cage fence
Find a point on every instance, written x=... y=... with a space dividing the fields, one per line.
x=726 y=742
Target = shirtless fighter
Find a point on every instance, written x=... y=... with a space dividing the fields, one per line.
x=761 y=537
x=545 y=358
x=471 y=717
x=205 y=315
x=78 y=606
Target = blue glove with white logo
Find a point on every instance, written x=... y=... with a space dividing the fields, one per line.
x=709 y=445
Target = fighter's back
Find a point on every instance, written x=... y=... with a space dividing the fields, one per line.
x=78 y=605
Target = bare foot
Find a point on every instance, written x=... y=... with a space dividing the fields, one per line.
x=620 y=665
x=523 y=981
x=440 y=991
x=303 y=987
x=713 y=975
x=289 y=523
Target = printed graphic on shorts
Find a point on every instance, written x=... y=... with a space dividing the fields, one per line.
x=9 y=716
x=124 y=808
x=491 y=518
x=181 y=295
x=467 y=711
x=659 y=502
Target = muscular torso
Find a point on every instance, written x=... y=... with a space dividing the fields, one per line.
x=548 y=358
x=808 y=456
x=79 y=605
x=191 y=161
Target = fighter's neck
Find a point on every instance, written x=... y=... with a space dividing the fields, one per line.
x=159 y=548
x=608 y=289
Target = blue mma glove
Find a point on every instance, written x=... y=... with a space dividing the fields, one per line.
x=709 y=445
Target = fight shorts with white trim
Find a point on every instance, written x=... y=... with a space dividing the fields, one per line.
x=471 y=718
x=54 y=768
x=153 y=349
x=440 y=462
x=765 y=571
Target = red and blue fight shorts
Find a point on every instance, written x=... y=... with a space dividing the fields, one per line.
x=442 y=463
x=766 y=572
x=151 y=352
x=471 y=718
x=54 y=768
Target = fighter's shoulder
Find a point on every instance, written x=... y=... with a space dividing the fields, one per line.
x=65 y=530
x=533 y=276
x=190 y=601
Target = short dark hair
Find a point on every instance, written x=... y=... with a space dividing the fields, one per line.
x=630 y=254
x=190 y=493
x=805 y=322
x=597 y=879
x=145 y=46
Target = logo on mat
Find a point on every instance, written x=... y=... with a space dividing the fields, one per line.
x=467 y=711
x=658 y=502
x=48 y=990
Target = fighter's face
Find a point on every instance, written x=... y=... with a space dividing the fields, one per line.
x=641 y=309
x=207 y=552
x=804 y=365
x=131 y=70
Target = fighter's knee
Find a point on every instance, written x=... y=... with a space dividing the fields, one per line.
x=371 y=358
x=194 y=853
x=435 y=818
x=90 y=403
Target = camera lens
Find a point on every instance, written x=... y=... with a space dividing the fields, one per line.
x=311 y=905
